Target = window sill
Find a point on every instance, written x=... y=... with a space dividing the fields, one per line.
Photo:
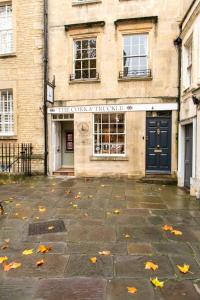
x=8 y=137
x=109 y=158
x=84 y=81
x=76 y=3
x=135 y=79
x=7 y=55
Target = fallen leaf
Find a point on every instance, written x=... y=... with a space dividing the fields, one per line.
x=93 y=260
x=7 y=241
x=157 y=283
x=40 y=262
x=184 y=269
x=151 y=266
x=102 y=185
x=105 y=253
x=25 y=218
x=3 y=258
x=51 y=227
x=42 y=209
x=43 y=249
x=127 y=236
x=167 y=228
x=53 y=191
x=75 y=205
x=17 y=204
x=37 y=218
x=132 y=290
x=27 y=252
x=12 y=265
x=77 y=197
x=176 y=232
x=116 y=212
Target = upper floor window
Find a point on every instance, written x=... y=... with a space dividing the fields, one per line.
x=6 y=34
x=6 y=112
x=84 y=1
x=189 y=64
x=85 y=59
x=135 y=55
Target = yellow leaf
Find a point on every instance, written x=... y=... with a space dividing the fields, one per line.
x=105 y=253
x=24 y=218
x=151 y=266
x=40 y=262
x=132 y=290
x=93 y=260
x=116 y=212
x=75 y=205
x=12 y=265
x=43 y=249
x=17 y=204
x=184 y=269
x=157 y=283
x=42 y=209
x=167 y=228
x=127 y=236
x=27 y=252
x=2 y=259
x=50 y=227
x=176 y=232
x=102 y=185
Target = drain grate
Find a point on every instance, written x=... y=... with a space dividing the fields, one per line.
x=46 y=227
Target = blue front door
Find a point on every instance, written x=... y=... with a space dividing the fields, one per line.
x=158 y=144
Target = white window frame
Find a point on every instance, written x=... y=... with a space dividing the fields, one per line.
x=6 y=32
x=132 y=56
x=74 y=59
x=85 y=1
x=189 y=67
x=125 y=137
x=4 y=113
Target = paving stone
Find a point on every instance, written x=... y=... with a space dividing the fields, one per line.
x=189 y=234
x=134 y=266
x=140 y=234
x=194 y=271
x=140 y=249
x=80 y=265
x=173 y=248
x=96 y=247
x=127 y=219
x=117 y=289
x=72 y=289
x=18 y=289
x=174 y=290
x=153 y=205
x=91 y=233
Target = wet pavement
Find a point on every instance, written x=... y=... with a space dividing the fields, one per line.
x=122 y=216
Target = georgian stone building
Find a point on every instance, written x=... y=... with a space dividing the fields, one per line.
x=189 y=128
x=116 y=95
x=21 y=76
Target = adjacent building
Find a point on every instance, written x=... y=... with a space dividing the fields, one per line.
x=116 y=95
x=189 y=125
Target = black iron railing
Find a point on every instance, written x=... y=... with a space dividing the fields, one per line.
x=74 y=77
x=16 y=158
x=135 y=73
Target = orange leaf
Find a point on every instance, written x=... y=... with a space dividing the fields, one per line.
x=184 y=269
x=132 y=290
x=43 y=249
x=151 y=266
x=167 y=228
x=12 y=265
x=176 y=232
x=93 y=260
x=40 y=262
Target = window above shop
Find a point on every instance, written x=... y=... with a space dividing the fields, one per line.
x=189 y=63
x=6 y=30
x=109 y=134
x=6 y=113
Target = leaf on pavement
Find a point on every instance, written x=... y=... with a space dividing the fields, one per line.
x=51 y=227
x=183 y=269
x=116 y=212
x=176 y=232
x=167 y=228
x=39 y=263
x=3 y=258
x=157 y=283
x=12 y=265
x=27 y=252
x=132 y=290
x=105 y=253
x=151 y=266
x=93 y=260
x=43 y=249
x=42 y=209
x=75 y=205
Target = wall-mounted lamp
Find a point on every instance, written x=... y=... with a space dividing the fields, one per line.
x=195 y=100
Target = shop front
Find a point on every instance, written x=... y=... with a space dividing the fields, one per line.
x=113 y=140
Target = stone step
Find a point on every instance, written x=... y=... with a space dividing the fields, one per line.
x=159 y=179
x=64 y=172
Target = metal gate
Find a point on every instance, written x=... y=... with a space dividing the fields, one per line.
x=188 y=154
x=16 y=158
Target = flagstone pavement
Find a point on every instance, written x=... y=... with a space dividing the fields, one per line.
x=122 y=216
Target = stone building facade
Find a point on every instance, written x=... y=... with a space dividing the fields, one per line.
x=116 y=69
x=189 y=127
x=21 y=76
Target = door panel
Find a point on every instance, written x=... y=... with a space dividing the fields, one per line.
x=158 y=146
x=188 y=154
x=56 y=145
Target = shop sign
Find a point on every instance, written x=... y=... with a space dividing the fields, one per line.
x=112 y=108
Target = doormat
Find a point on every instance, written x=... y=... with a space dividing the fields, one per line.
x=46 y=227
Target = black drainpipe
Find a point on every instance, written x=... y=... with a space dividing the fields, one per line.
x=178 y=44
x=45 y=86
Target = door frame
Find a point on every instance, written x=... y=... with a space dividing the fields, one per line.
x=158 y=172
x=191 y=152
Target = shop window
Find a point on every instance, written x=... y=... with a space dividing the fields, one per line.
x=6 y=112
x=109 y=134
x=6 y=32
x=135 y=56
x=85 y=59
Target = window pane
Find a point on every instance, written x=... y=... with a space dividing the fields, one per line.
x=92 y=53
x=78 y=74
x=93 y=74
x=105 y=118
x=78 y=54
x=85 y=73
x=92 y=43
x=93 y=63
x=97 y=118
x=78 y=45
x=84 y=44
x=105 y=128
x=78 y=64
x=85 y=64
